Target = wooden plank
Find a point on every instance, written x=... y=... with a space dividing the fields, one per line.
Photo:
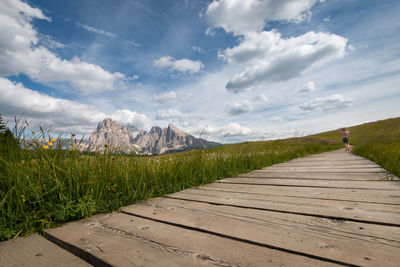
x=35 y=250
x=340 y=205
x=352 y=168
x=373 y=213
x=319 y=176
x=327 y=163
x=324 y=170
x=124 y=240
x=339 y=168
x=381 y=185
x=294 y=234
x=359 y=195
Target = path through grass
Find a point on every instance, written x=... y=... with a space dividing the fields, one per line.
x=45 y=187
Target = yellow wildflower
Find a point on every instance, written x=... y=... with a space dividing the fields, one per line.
x=53 y=139
x=45 y=147
x=50 y=143
x=23 y=198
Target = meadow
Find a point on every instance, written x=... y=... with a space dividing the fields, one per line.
x=46 y=186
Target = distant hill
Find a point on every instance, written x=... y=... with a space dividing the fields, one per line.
x=110 y=135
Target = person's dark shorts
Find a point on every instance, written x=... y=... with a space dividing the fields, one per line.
x=345 y=140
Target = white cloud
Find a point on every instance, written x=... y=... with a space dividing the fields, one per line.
x=241 y=17
x=239 y=108
x=327 y=19
x=229 y=133
x=132 y=118
x=276 y=119
x=210 y=31
x=186 y=97
x=61 y=114
x=308 y=87
x=264 y=55
x=183 y=65
x=260 y=98
x=20 y=53
x=166 y=97
x=184 y=119
x=270 y=58
x=328 y=104
x=134 y=77
x=49 y=42
x=95 y=30
x=197 y=49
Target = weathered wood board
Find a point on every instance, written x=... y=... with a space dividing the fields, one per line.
x=125 y=240
x=293 y=234
x=35 y=250
x=339 y=194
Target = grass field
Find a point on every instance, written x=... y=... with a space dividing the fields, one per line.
x=46 y=187
x=43 y=188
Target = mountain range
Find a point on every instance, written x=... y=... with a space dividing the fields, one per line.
x=117 y=138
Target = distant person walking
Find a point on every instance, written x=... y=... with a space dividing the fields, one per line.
x=345 y=137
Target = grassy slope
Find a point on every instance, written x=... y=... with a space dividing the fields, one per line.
x=378 y=141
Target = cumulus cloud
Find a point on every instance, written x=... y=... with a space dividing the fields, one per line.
x=182 y=65
x=61 y=114
x=21 y=52
x=239 y=108
x=271 y=58
x=264 y=55
x=166 y=97
x=328 y=104
x=308 y=87
x=241 y=17
x=184 y=119
x=95 y=30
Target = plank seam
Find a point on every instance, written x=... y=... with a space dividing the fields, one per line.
x=241 y=239
x=86 y=256
x=290 y=212
x=312 y=171
x=314 y=186
x=260 y=194
x=305 y=178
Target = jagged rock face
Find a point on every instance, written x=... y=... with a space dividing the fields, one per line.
x=112 y=136
x=156 y=141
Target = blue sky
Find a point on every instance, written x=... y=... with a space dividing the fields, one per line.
x=235 y=70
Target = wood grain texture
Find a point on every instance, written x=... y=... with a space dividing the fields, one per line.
x=339 y=194
x=376 y=185
x=295 y=234
x=35 y=250
x=125 y=240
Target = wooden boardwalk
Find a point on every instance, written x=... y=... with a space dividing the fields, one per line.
x=329 y=209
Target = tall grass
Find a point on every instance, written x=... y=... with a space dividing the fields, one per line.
x=41 y=188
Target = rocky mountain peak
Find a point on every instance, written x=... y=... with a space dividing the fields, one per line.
x=172 y=127
x=109 y=134
x=157 y=141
